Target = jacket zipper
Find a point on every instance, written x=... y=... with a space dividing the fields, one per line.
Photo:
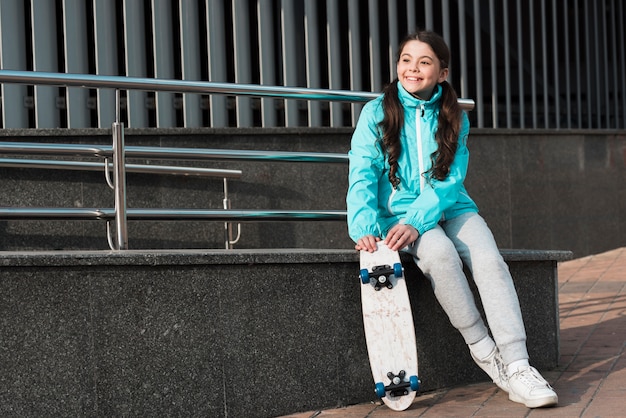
x=419 y=114
x=389 y=208
x=418 y=136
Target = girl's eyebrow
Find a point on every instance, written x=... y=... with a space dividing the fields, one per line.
x=423 y=56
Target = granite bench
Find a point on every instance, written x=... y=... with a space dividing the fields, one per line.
x=255 y=333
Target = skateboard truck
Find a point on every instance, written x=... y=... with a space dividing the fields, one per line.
x=398 y=386
x=382 y=274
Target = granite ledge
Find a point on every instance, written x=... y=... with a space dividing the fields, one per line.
x=199 y=257
x=536 y=255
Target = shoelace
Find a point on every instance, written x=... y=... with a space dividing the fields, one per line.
x=530 y=378
x=498 y=367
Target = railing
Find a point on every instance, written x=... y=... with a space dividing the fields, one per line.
x=118 y=151
x=106 y=167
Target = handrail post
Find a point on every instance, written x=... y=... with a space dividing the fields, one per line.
x=119 y=173
x=228 y=225
x=228 y=229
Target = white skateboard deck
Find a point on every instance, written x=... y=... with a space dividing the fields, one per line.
x=389 y=330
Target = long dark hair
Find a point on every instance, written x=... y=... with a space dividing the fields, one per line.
x=449 y=121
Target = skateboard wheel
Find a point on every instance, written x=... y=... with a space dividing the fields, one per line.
x=397 y=270
x=415 y=383
x=365 y=276
x=380 y=390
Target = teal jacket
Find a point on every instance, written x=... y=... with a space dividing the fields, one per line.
x=373 y=205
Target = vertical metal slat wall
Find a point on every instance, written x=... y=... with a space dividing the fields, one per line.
x=13 y=49
x=44 y=59
x=136 y=64
x=191 y=64
x=106 y=58
x=529 y=64
x=76 y=53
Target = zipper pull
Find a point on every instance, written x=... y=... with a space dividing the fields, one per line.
x=422 y=110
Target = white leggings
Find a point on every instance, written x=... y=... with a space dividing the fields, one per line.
x=440 y=253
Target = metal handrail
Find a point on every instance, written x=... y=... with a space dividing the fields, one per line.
x=132 y=168
x=37 y=148
x=157 y=214
x=188 y=86
x=106 y=151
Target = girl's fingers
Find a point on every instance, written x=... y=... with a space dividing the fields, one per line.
x=367 y=243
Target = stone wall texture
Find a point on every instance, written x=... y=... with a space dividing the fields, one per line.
x=537 y=189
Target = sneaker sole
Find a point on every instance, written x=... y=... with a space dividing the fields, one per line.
x=535 y=403
x=502 y=388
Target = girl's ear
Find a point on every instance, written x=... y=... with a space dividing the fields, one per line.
x=443 y=75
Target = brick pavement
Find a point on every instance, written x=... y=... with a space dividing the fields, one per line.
x=591 y=377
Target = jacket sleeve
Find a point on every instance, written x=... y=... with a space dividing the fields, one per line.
x=439 y=195
x=366 y=167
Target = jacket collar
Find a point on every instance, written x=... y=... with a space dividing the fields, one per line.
x=409 y=100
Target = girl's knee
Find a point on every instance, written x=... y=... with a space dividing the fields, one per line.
x=490 y=261
x=439 y=254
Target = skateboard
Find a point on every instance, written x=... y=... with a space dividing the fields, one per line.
x=389 y=330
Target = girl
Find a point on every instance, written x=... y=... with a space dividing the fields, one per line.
x=408 y=161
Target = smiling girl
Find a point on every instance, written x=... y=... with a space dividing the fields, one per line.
x=408 y=162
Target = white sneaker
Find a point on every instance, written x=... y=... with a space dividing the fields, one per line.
x=495 y=368
x=529 y=388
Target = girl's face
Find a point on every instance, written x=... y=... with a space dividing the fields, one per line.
x=419 y=69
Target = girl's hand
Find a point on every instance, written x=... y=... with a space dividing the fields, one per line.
x=367 y=243
x=400 y=236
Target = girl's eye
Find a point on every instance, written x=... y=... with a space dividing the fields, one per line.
x=425 y=62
